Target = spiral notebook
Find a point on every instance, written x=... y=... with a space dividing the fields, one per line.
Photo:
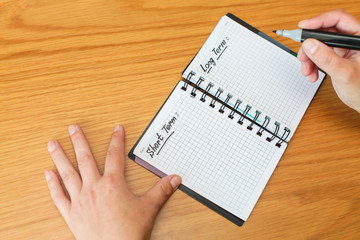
x=227 y=123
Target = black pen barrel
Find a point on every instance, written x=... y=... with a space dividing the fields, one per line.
x=333 y=39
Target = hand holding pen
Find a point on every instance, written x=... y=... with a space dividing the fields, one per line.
x=343 y=65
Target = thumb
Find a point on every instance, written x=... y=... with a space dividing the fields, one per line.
x=162 y=190
x=324 y=57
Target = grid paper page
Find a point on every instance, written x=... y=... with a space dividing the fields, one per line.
x=255 y=71
x=216 y=157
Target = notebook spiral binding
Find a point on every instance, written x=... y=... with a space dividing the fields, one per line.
x=234 y=109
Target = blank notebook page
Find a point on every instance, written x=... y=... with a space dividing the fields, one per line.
x=216 y=157
x=256 y=71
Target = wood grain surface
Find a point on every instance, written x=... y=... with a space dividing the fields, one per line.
x=101 y=62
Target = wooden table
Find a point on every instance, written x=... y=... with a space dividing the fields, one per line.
x=101 y=62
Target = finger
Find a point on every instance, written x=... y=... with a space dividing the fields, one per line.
x=301 y=56
x=325 y=57
x=57 y=194
x=341 y=20
x=86 y=162
x=114 y=163
x=162 y=190
x=66 y=170
x=331 y=29
x=307 y=67
x=314 y=75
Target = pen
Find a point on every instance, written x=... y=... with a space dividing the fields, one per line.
x=331 y=39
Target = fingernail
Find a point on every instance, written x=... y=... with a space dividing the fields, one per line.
x=51 y=146
x=310 y=46
x=47 y=176
x=302 y=23
x=175 y=181
x=72 y=129
x=312 y=78
x=117 y=127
